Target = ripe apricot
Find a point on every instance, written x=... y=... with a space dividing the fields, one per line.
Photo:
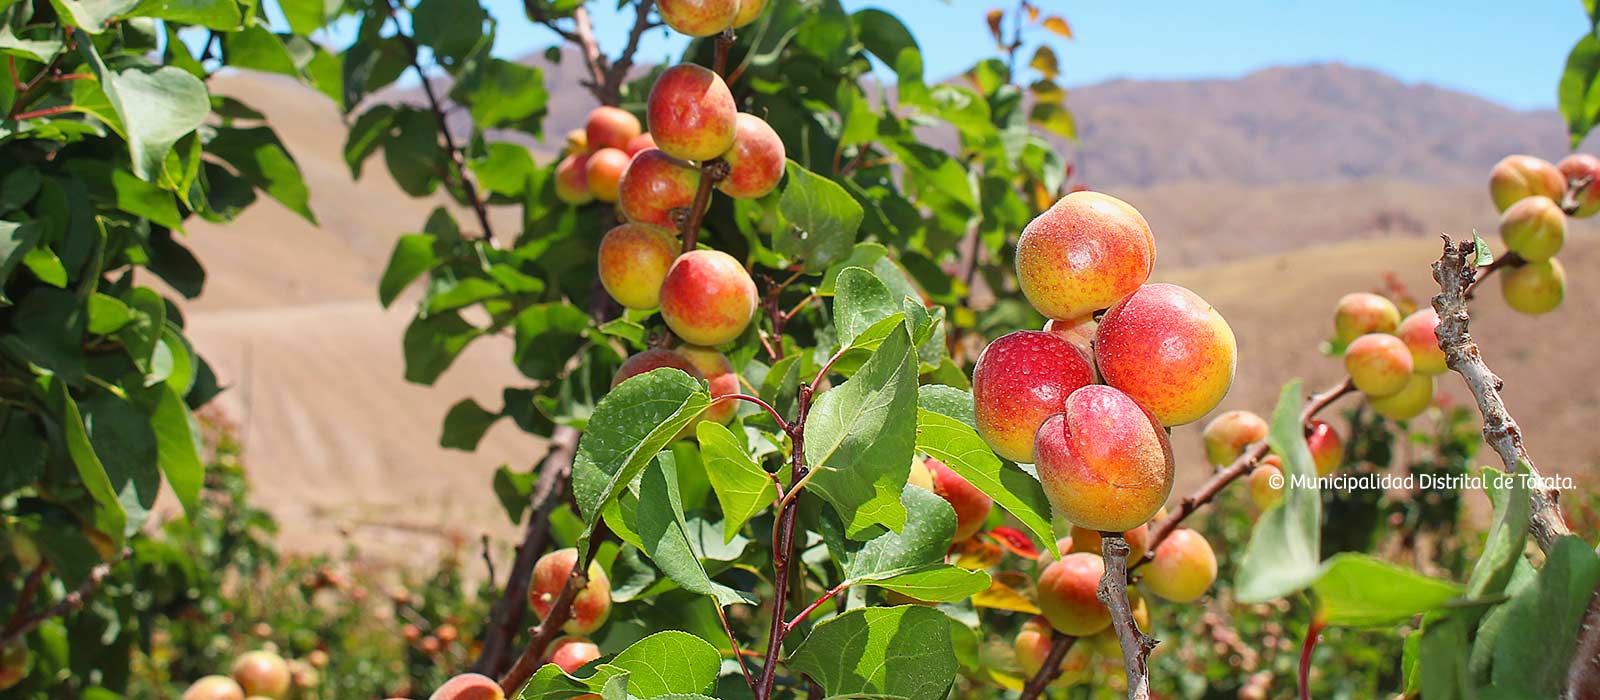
x=970 y=504
x=592 y=604
x=469 y=686
x=610 y=127
x=1327 y=448
x=261 y=673
x=1418 y=333
x=749 y=10
x=603 y=172
x=1086 y=540
x=14 y=665
x=1379 y=364
x=214 y=688
x=707 y=297
x=1104 y=461
x=1183 y=568
x=655 y=184
x=1020 y=379
x=634 y=259
x=1536 y=287
x=718 y=371
x=572 y=179
x=1582 y=166
x=571 y=653
x=1228 y=434
x=756 y=160
x=1519 y=176
x=1085 y=253
x=654 y=358
x=1067 y=592
x=1032 y=646
x=637 y=144
x=1078 y=331
x=1407 y=403
x=1168 y=349
x=1360 y=313
x=698 y=17
x=1267 y=483
x=691 y=113
x=1534 y=228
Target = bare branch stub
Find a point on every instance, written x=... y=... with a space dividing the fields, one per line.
x=1113 y=593
x=1456 y=271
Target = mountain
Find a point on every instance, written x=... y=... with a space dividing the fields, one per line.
x=1270 y=195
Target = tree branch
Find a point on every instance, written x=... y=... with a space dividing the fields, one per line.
x=783 y=548
x=1504 y=261
x=20 y=625
x=545 y=632
x=618 y=71
x=1456 y=272
x=1060 y=644
x=1113 y=593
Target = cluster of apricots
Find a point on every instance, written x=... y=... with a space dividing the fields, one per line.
x=1534 y=199
x=1089 y=399
x=258 y=675
x=1229 y=434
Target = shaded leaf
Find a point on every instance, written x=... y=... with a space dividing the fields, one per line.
x=903 y=652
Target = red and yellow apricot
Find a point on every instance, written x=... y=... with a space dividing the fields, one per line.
x=572 y=179
x=1378 y=363
x=691 y=113
x=1407 y=403
x=1267 y=482
x=589 y=608
x=707 y=297
x=1534 y=228
x=469 y=686
x=756 y=160
x=1104 y=461
x=655 y=184
x=1078 y=331
x=1020 y=379
x=718 y=372
x=1418 y=332
x=749 y=10
x=261 y=673
x=1085 y=253
x=1360 y=313
x=1228 y=434
x=654 y=358
x=1168 y=349
x=1586 y=168
x=610 y=127
x=571 y=653
x=1067 y=595
x=603 y=172
x=214 y=688
x=1085 y=540
x=1032 y=647
x=1536 y=287
x=638 y=144
x=1183 y=568
x=698 y=17
x=970 y=504
x=634 y=259
x=1327 y=448
x=577 y=142
x=1518 y=176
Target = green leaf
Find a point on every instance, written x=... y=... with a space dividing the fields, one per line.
x=1531 y=653
x=882 y=34
x=447 y=295
x=958 y=445
x=44 y=264
x=629 y=426
x=502 y=94
x=1357 y=590
x=157 y=106
x=16 y=239
x=1578 y=93
x=668 y=663
x=450 y=27
x=1441 y=660
x=465 y=424
x=503 y=169
x=257 y=48
x=822 y=219
x=107 y=314
x=551 y=683
x=860 y=300
x=412 y=153
x=665 y=537
x=930 y=526
x=948 y=401
x=547 y=335
x=371 y=64
x=221 y=15
x=902 y=652
x=305 y=16
x=92 y=16
x=1283 y=554
x=369 y=131
x=145 y=199
x=743 y=488
x=414 y=255
x=178 y=447
x=1483 y=254
x=859 y=438
x=258 y=156
x=934 y=583
x=513 y=488
x=141 y=337
x=432 y=343
x=1503 y=546
x=109 y=516
x=19 y=186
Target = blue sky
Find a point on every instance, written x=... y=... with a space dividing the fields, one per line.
x=1509 y=51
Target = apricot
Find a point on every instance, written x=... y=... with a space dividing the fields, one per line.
x=1020 y=379
x=1078 y=331
x=634 y=259
x=1086 y=540
x=1263 y=492
x=1104 y=461
x=707 y=297
x=577 y=141
x=1418 y=333
x=1379 y=364
x=1586 y=167
x=1183 y=568
x=14 y=665
x=749 y=10
x=1534 y=288
x=572 y=179
x=1032 y=647
x=1519 y=176
x=1407 y=403
x=971 y=505
x=1534 y=228
x=214 y=688
x=718 y=371
x=1083 y=254
x=1327 y=448
x=469 y=686
x=755 y=161
x=691 y=113
x=654 y=358
x=1168 y=349
x=604 y=172
x=1067 y=594
x=571 y=653
x=1360 y=313
x=589 y=608
x=610 y=127
x=261 y=673
x=655 y=184
x=698 y=17
x=640 y=143
x=920 y=477
x=1228 y=434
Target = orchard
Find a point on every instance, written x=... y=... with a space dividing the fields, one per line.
x=815 y=408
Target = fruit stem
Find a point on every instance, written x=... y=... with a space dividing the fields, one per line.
x=1060 y=644
x=795 y=621
x=20 y=626
x=782 y=424
x=1313 y=633
x=1113 y=593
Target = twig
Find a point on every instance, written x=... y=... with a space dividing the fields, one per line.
x=20 y=627
x=488 y=558
x=618 y=71
x=1313 y=631
x=1113 y=593
x=30 y=588
x=1455 y=272
x=804 y=613
x=783 y=548
x=733 y=643
x=782 y=424
x=1583 y=677
x=1060 y=644
x=1240 y=467
x=1504 y=261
